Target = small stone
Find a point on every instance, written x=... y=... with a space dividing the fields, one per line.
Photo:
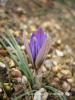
x=1 y=90
x=48 y=56
x=23 y=47
x=54 y=83
x=11 y=63
x=59 y=42
x=32 y=28
x=30 y=65
x=24 y=79
x=17 y=33
x=15 y=73
x=46 y=24
x=2 y=65
x=68 y=49
x=18 y=88
x=67 y=94
x=56 y=79
x=7 y=59
x=66 y=72
x=43 y=69
x=8 y=86
x=41 y=94
x=59 y=53
x=73 y=87
x=48 y=64
x=55 y=63
x=70 y=80
x=23 y=26
x=57 y=26
x=19 y=10
x=11 y=31
x=59 y=75
x=56 y=68
x=19 y=79
x=66 y=86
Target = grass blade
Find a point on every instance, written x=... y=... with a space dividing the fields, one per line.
x=57 y=92
x=17 y=54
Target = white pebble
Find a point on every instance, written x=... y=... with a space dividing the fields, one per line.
x=41 y=94
x=48 y=64
x=23 y=47
x=67 y=94
x=2 y=65
x=66 y=86
x=59 y=53
x=1 y=90
x=24 y=79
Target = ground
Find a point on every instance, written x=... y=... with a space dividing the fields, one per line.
x=58 y=20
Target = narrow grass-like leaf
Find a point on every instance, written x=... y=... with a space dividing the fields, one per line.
x=56 y=92
x=30 y=93
x=17 y=54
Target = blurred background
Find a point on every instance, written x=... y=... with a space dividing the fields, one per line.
x=55 y=16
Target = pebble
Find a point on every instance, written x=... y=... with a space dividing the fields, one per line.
x=8 y=86
x=17 y=33
x=57 y=68
x=54 y=83
x=55 y=62
x=46 y=24
x=48 y=56
x=59 y=53
x=11 y=63
x=1 y=90
x=19 y=79
x=15 y=73
x=56 y=79
x=48 y=64
x=7 y=59
x=68 y=49
x=43 y=69
x=66 y=72
x=70 y=80
x=67 y=94
x=2 y=65
x=23 y=26
x=59 y=75
x=66 y=86
x=41 y=94
x=18 y=88
x=32 y=28
x=24 y=79
x=58 y=41
x=23 y=47
x=30 y=65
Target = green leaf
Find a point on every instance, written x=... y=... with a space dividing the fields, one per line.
x=56 y=92
x=8 y=40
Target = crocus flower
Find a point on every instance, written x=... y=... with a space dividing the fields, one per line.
x=38 y=47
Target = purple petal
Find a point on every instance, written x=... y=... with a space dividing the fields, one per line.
x=34 y=46
x=43 y=52
x=36 y=42
x=41 y=37
x=27 y=47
